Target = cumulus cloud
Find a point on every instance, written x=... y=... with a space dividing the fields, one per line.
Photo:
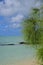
x=13 y=6
x=16 y=10
x=17 y=18
x=38 y=3
x=15 y=26
x=15 y=21
x=9 y=8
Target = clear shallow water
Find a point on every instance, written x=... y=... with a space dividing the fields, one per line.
x=10 y=39
x=12 y=54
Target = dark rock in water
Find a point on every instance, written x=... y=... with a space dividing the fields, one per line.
x=22 y=42
x=6 y=44
x=11 y=44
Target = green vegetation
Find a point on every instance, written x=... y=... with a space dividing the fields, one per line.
x=40 y=56
x=33 y=31
x=32 y=28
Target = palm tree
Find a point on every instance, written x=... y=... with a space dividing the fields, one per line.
x=33 y=31
x=31 y=28
x=40 y=56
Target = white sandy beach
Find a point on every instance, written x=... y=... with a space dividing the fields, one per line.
x=24 y=62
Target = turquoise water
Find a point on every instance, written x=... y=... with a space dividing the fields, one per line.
x=12 y=54
x=10 y=39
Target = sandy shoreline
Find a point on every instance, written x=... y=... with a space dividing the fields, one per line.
x=27 y=62
x=24 y=62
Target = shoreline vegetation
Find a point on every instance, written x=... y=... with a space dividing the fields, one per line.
x=33 y=31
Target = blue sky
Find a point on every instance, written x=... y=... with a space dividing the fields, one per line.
x=12 y=13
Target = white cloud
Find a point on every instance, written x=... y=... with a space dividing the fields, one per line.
x=38 y=4
x=15 y=21
x=9 y=8
x=17 y=18
x=14 y=25
x=13 y=6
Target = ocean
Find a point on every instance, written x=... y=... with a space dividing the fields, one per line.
x=10 y=55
